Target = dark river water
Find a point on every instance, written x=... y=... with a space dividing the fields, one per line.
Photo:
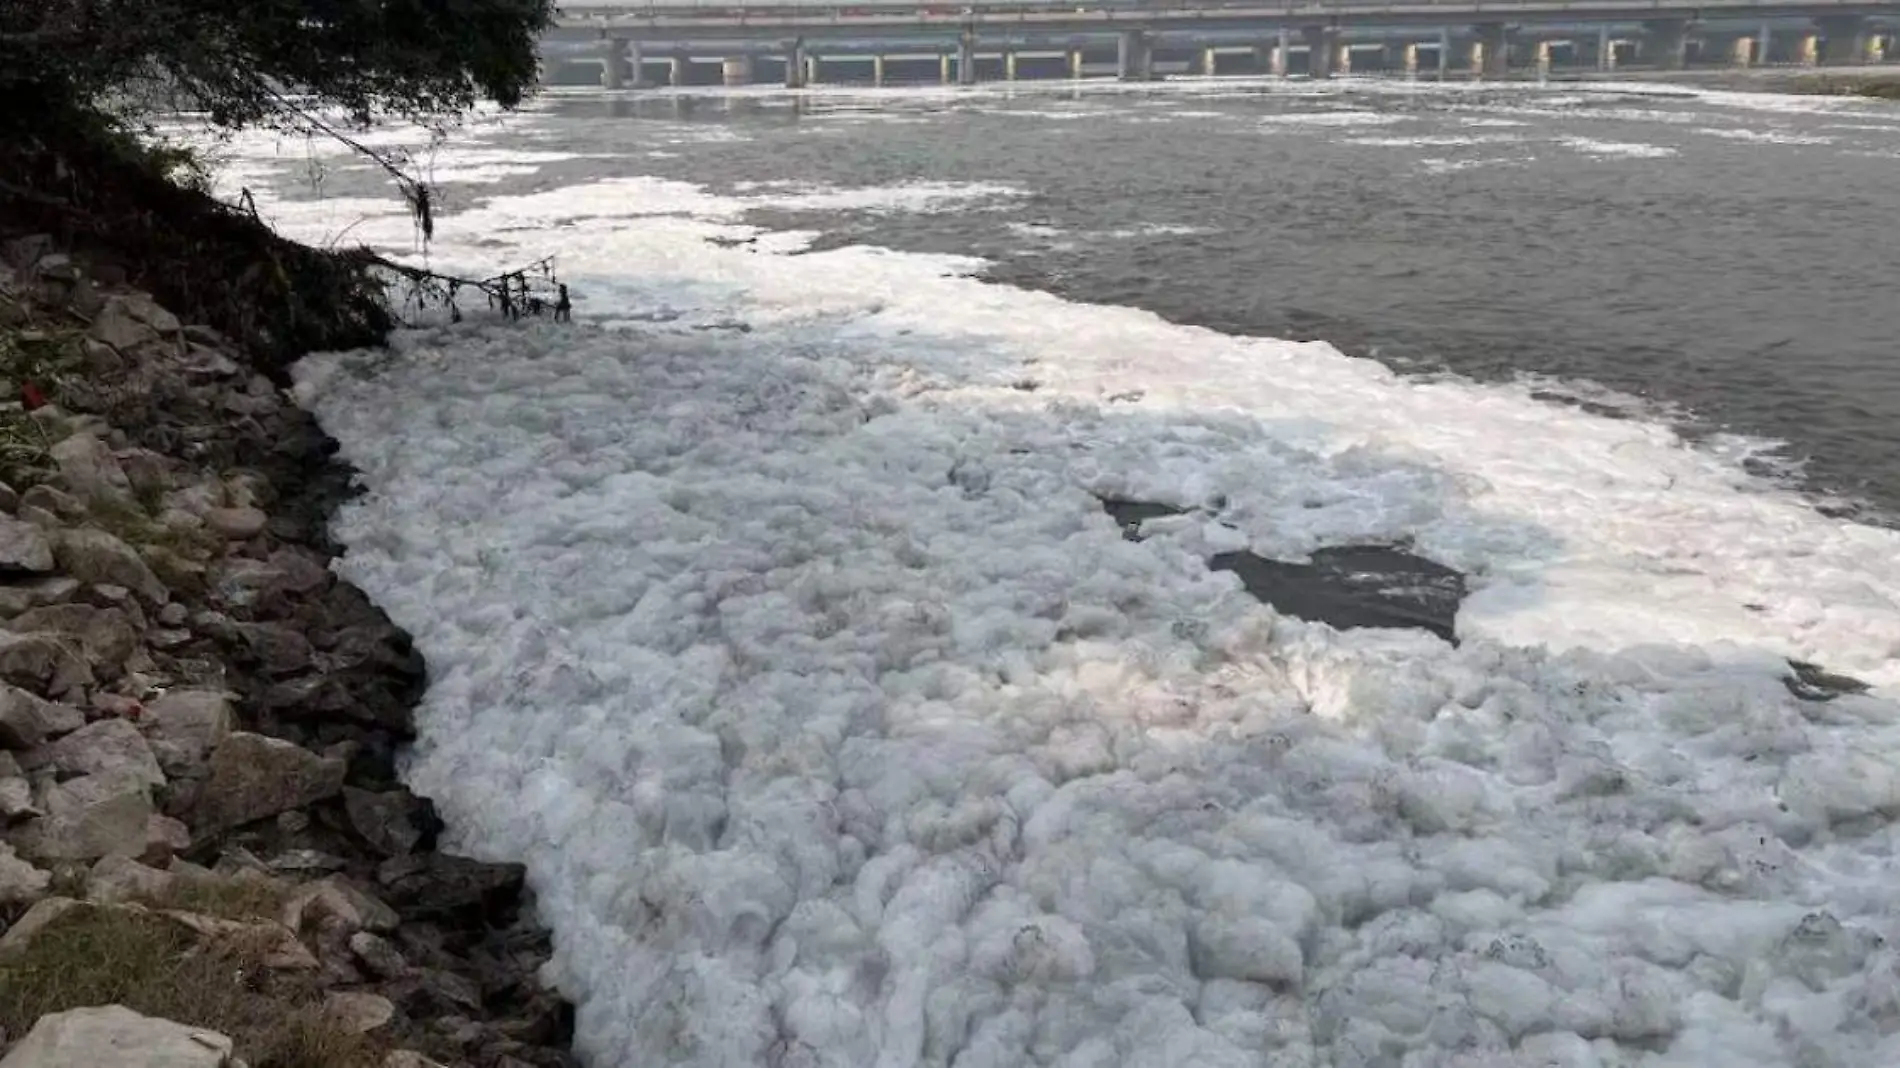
x=1728 y=259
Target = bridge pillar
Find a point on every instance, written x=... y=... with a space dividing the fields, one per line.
x=1664 y=41
x=1543 y=59
x=1741 y=51
x=1134 y=58
x=795 y=72
x=1342 y=58
x=1606 y=49
x=943 y=68
x=1075 y=63
x=1491 y=54
x=1210 y=63
x=966 y=59
x=1009 y=66
x=736 y=70
x=1321 y=44
x=1444 y=53
x=1763 y=38
x=676 y=71
x=877 y=71
x=613 y=58
x=1843 y=40
x=1411 y=60
x=1808 y=49
x=1283 y=47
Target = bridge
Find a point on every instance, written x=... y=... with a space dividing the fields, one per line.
x=638 y=43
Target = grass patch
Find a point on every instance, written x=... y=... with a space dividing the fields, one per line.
x=104 y=956
x=238 y=898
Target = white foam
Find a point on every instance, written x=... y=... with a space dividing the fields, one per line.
x=1590 y=146
x=838 y=726
x=1436 y=140
x=1333 y=118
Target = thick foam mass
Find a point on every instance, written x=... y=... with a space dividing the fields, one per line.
x=787 y=643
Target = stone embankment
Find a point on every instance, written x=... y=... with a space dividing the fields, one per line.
x=206 y=857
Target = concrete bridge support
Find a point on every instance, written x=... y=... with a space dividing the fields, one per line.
x=1664 y=42
x=1075 y=63
x=877 y=71
x=1134 y=57
x=1741 y=51
x=1410 y=60
x=613 y=58
x=795 y=72
x=943 y=68
x=1543 y=59
x=1843 y=40
x=1491 y=53
x=1210 y=63
x=1322 y=45
x=1606 y=49
x=1807 y=50
x=1009 y=66
x=966 y=59
x=1444 y=53
x=736 y=70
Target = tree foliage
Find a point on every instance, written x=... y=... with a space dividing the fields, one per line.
x=239 y=59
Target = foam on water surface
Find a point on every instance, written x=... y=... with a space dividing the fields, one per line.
x=839 y=726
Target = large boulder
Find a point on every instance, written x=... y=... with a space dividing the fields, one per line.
x=27 y=720
x=51 y=664
x=106 y=746
x=357 y=1012
x=97 y=558
x=105 y=635
x=115 y=880
x=184 y=726
x=33 y=593
x=254 y=777
x=16 y=794
x=44 y=913
x=90 y=472
x=392 y=822
x=20 y=882
x=115 y=1035
x=24 y=547
x=91 y=817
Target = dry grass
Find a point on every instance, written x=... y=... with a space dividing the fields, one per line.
x=241 y=897
x=104 y=956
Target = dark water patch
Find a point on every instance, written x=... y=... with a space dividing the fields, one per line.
x=1346 y=586
x=1811 y=682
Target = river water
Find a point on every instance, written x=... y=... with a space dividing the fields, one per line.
x=777 y=618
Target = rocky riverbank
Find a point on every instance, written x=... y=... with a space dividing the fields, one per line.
x=200 y=816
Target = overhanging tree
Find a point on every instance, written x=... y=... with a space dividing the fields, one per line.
x=75 y=75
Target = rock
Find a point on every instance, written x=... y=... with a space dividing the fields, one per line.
x=115 y=880
x=236 y=524
x=105 y=635
x=164 y=838
x=105 y=746
x=391 y=822
x=63 y=505
x=101 y=359
x=90 y=817
x=436 y=884
x=173 y=615
x=405 y=1058
x=24 y=252
x=205 y=361
x=27 y=721
x=45 y=663
x=382 y=959
x=37 y=919
x=16 y=799
x=121 y=325
x=279 y=649
x=20 y=882
x=96 y=557
x=40 y=518
x=184 y=726
x=278 y=948
x=449 y=989
x=90 y=471
x=115 y=1035
x=24 y=547
x=52 y=589
x=333 y=901
x=254 y=777
x=9 y=498
x=358 y=1012
x=149 y=472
